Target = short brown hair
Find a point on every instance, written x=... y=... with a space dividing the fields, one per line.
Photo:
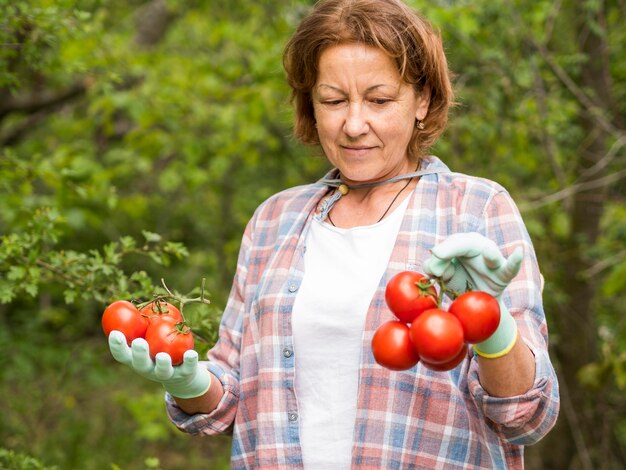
x=390 y=25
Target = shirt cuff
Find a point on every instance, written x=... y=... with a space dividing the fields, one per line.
x=216 y=422
x=516 y=411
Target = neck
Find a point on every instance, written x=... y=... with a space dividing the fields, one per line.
x=391 y=177
x=367 y=206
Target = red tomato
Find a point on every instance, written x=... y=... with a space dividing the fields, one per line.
x=408 y=294
x=165 y=334
x=437 y=336
x=479 y=314
x=450 y=364
x=123 y=316
x=161 y=308
x=392 y=347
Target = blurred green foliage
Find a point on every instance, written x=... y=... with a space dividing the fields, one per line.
x=137 y=138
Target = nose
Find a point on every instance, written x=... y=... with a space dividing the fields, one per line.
x=356 y=122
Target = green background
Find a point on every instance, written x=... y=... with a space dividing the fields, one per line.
x=137 y=138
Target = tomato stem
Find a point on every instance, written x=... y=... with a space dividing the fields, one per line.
x=443 y=289
x=159 y=301
x=166 y=288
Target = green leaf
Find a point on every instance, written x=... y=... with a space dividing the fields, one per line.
x=69 y=296
x=11 y=460
x=128 y=243
x=16 y=273
x=592 y=375
x=616 y=281
x=177 y=249
x=7 y=292
x=153 y=463
x=111 y=254
x=151 y=237
x=157 y=258
x=31 y=289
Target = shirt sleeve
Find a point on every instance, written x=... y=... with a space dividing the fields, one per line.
x=218 y=421
x=224 y=358
x=522 y=419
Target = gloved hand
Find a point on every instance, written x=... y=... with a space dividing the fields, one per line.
x=467 y=261
x=187 y=380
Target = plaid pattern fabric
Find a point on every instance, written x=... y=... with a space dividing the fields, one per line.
x=405 y=420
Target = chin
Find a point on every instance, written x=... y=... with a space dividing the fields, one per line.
x=349 y=172
x=357 y=168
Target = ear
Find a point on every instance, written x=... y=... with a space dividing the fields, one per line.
x=423 y=103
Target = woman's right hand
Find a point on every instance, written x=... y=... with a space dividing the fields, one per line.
x=188 y=380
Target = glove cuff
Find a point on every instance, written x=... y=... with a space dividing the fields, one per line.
x=502 y=340
x=198 y=386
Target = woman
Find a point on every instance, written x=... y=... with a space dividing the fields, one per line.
x=293 y=374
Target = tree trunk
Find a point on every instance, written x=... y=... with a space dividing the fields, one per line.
x=574 y=442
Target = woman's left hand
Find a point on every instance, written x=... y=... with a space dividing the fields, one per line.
x=467 y=261
x=471 y=261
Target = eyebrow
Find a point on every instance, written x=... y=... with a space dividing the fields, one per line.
x=369 y=89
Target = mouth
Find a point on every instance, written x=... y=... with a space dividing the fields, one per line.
x=356 y=148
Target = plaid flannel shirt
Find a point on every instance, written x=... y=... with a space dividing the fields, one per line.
x=409 y=419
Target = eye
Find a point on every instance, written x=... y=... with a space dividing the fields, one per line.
x=332 y=102
x=380 y=101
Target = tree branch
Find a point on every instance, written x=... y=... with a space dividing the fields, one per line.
x=604 y=264
x=12 y=136
x=34 y=102
x=608 y=158
x=593 y=108
x=546 y=138
x=551 y=21
x=574 y=423
x=573 y=189
x=587 y=102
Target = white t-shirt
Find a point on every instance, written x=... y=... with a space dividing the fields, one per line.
x=343 y=267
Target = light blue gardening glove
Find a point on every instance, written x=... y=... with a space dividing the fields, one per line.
x=470 y=261
x=188 y=380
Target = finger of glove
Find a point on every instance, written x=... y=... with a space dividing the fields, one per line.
x=437 y=267
x=119 y=347
x=141 y=357
x=190 y=363
x=460 y=245
x=512 y=265
x=458 y=282
x=492 y=256
x=163 y=370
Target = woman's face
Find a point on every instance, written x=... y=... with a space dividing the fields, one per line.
x=365 y=112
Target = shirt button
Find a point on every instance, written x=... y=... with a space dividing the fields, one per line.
x=287 y=352
x=293 y=287
x=293 y=416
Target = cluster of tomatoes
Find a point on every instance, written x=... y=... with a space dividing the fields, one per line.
x=159 y=322
x=424 y=331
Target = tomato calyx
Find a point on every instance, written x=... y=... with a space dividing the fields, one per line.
x=181 y=328
x=426 y=287
x=176 y=327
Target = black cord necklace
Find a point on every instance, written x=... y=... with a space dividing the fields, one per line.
x=341 y=188
x=389 y=207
